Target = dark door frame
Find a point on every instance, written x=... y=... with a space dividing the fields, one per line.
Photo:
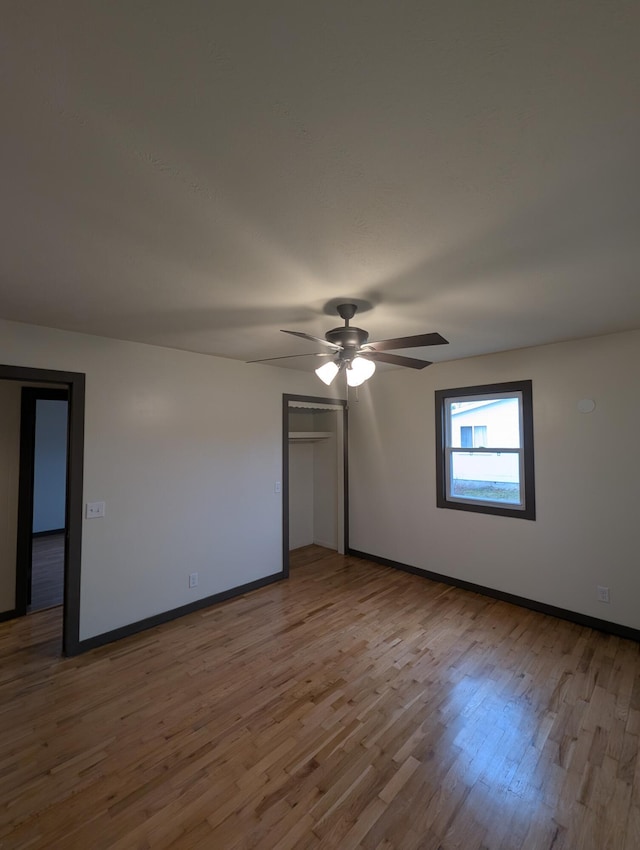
x=286 y=398
x=26 y=488
x=75 y=383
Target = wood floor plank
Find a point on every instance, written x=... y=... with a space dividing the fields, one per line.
x=47 y=571
x=351 y=707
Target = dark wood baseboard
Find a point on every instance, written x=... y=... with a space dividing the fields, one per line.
x=173 y=614
x=49 y=533
x=8 y=615
x=562 y=613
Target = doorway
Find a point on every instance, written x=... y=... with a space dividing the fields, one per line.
x=44 y=430
x=315 y=479
x=69 y=387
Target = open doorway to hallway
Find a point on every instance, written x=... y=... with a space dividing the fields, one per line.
x=46 y=584
x=26 y=527
x=42 y=507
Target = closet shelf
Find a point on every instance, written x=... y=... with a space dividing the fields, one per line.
x=308 y=436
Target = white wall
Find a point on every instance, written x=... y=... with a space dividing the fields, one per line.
x=10 y=394
x=301 y=516
x=50 y=465
x=325 y=482
x=184 y=449
x=587 y=478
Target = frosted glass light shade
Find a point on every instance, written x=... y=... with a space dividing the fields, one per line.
x=327 y=372
x=360 y=371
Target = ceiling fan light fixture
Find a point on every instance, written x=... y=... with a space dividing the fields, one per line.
x=360 y=371
x=327 y=372
x=352 y=352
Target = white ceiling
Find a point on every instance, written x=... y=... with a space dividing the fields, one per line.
x=201 y=174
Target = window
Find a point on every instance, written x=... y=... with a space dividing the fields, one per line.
x=473 y=435
x=484 y=449
x=466 y=436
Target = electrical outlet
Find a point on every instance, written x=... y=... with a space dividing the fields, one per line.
x=278 y=487
x=603 y=594
x=193 y=579
x=94 y=509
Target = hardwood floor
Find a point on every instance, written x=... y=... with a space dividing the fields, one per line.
x=352 y=706
x=47 y=571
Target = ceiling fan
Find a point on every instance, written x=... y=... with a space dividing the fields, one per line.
x=351 y=351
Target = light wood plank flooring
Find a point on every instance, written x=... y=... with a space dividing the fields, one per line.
x=351 y=707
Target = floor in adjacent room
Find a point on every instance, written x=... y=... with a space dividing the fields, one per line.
x=352 y=706
x=47 y=571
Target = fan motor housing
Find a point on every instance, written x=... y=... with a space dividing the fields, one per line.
x=347 y=337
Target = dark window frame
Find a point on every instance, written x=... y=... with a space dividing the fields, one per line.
x=524 y=388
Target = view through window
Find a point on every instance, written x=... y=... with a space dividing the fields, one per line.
x=485 y=449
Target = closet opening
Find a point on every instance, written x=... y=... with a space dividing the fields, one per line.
x=315 y=475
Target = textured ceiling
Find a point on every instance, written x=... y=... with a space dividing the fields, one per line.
x=201 y=174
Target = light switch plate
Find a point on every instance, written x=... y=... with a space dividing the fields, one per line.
x=94 y=509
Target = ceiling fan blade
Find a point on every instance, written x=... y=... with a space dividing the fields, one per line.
x=313 y=339
x=407 y=342
x=289 y=356
x=395 y=359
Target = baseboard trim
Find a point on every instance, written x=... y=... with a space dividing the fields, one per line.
x=542 y=607
x=173 y=614
x=332 y=546
x=8 y=615
x=49 y=533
